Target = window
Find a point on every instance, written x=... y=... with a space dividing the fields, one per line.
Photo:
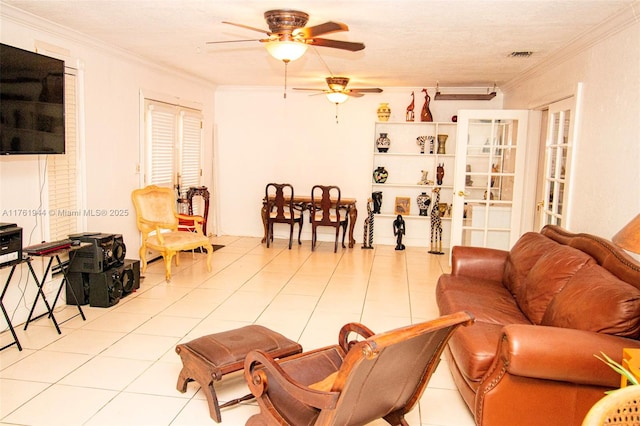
x=63 y=170
x=173 y=146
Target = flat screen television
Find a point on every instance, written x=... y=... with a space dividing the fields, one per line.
x=31 y=103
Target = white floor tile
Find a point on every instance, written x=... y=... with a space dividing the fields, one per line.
x=121 y=362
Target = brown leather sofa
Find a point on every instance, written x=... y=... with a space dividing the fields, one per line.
x=543 y=310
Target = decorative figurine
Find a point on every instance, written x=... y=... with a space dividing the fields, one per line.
x=399 y=231
x=425 y=115
x=380 y=175
x=494 y=171
x=367 y=238
x=424 y=180
x=436 y=225
x=439 y=173
x=423 y=201
x=410 y=114
x=377 y=201
x=467 y=179
x=421 y=141
x=383 y=142
x=442 y=143
x=383 y=111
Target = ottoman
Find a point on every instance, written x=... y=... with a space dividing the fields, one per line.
x=208 y=358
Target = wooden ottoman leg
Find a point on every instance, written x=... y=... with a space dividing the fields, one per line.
x=183 y=379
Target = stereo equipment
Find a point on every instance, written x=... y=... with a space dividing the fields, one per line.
x=10 y=244
x=79 y=283
x=104 y=289
x=130 y=276
x=105 y=252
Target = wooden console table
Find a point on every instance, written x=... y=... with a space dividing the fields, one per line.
x=304 y=201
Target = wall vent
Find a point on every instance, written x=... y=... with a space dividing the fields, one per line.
x=521 y=54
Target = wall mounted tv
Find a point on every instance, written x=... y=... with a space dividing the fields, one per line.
x=31 y=103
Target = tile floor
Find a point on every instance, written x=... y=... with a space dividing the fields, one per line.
x=119 y=366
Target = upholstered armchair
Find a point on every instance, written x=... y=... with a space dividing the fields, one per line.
x=157 y=220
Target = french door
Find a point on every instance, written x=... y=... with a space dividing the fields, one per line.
x=173 y=146
x=489 y=178
x=554 y=205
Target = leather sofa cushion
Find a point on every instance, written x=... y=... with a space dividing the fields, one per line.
x=547 y=277
x=595 y=300
x=522 y=256
x=487 y=300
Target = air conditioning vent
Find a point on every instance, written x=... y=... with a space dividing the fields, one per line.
x=521 y=54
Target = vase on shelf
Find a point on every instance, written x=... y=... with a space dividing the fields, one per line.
x=423 y=203
x=383 y=142
x=380 y=175
x=442 y=143
x=384 y=112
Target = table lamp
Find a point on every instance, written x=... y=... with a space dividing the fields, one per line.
x=629 y=237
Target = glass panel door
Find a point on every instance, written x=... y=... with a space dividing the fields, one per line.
x=557 y=164
x=488 y=184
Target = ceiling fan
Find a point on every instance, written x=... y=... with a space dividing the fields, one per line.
x=338 y=92
x=288 y=38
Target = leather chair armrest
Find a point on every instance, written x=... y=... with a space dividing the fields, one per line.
x=478 y=262
x=352 y=327
x=562 y=354
x=258 y=361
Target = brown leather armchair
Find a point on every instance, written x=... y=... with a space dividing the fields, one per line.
x=351 y=383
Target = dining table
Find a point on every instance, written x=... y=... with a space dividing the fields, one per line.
x=304 y=202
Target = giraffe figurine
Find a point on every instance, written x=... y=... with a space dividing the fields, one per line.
x=410 y=114
x=436 y=224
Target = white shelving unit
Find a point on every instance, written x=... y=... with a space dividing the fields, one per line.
x=404 y=164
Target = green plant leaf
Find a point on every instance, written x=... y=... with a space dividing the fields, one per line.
x=618 y=368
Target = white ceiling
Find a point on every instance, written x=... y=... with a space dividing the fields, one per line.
x=411 y=43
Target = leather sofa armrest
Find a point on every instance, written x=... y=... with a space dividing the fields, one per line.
x=562 y=354
x=478 y=262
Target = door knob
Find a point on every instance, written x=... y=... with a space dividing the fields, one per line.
x=462 y=193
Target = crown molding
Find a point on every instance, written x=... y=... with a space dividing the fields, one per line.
x=36 y=23
x=625 y=18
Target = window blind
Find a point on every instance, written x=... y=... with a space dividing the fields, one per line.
x=173 y=145
x=62 y=171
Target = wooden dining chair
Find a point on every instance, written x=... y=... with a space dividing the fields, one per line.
x=325 y=211
x=280 y=208
x=353 y=382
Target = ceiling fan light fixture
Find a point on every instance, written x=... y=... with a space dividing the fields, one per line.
x=286 y=50
x=337 y=97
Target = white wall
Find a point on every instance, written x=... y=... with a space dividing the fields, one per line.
x=262 y=137
x=606 y=183
x=113 y=81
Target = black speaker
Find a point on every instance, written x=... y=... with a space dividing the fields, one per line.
x=104 y=252
x=79 y=283
x=105 y=288
x=130 y=276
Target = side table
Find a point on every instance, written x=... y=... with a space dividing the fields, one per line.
x=4 y=311
x=40 y=283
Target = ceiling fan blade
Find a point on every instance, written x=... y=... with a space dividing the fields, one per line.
x=336 y=44
x=232 y=41
x=368 y=90
x=353 y=94
x=247 y=27
x=304 y=88
x=316 y=30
